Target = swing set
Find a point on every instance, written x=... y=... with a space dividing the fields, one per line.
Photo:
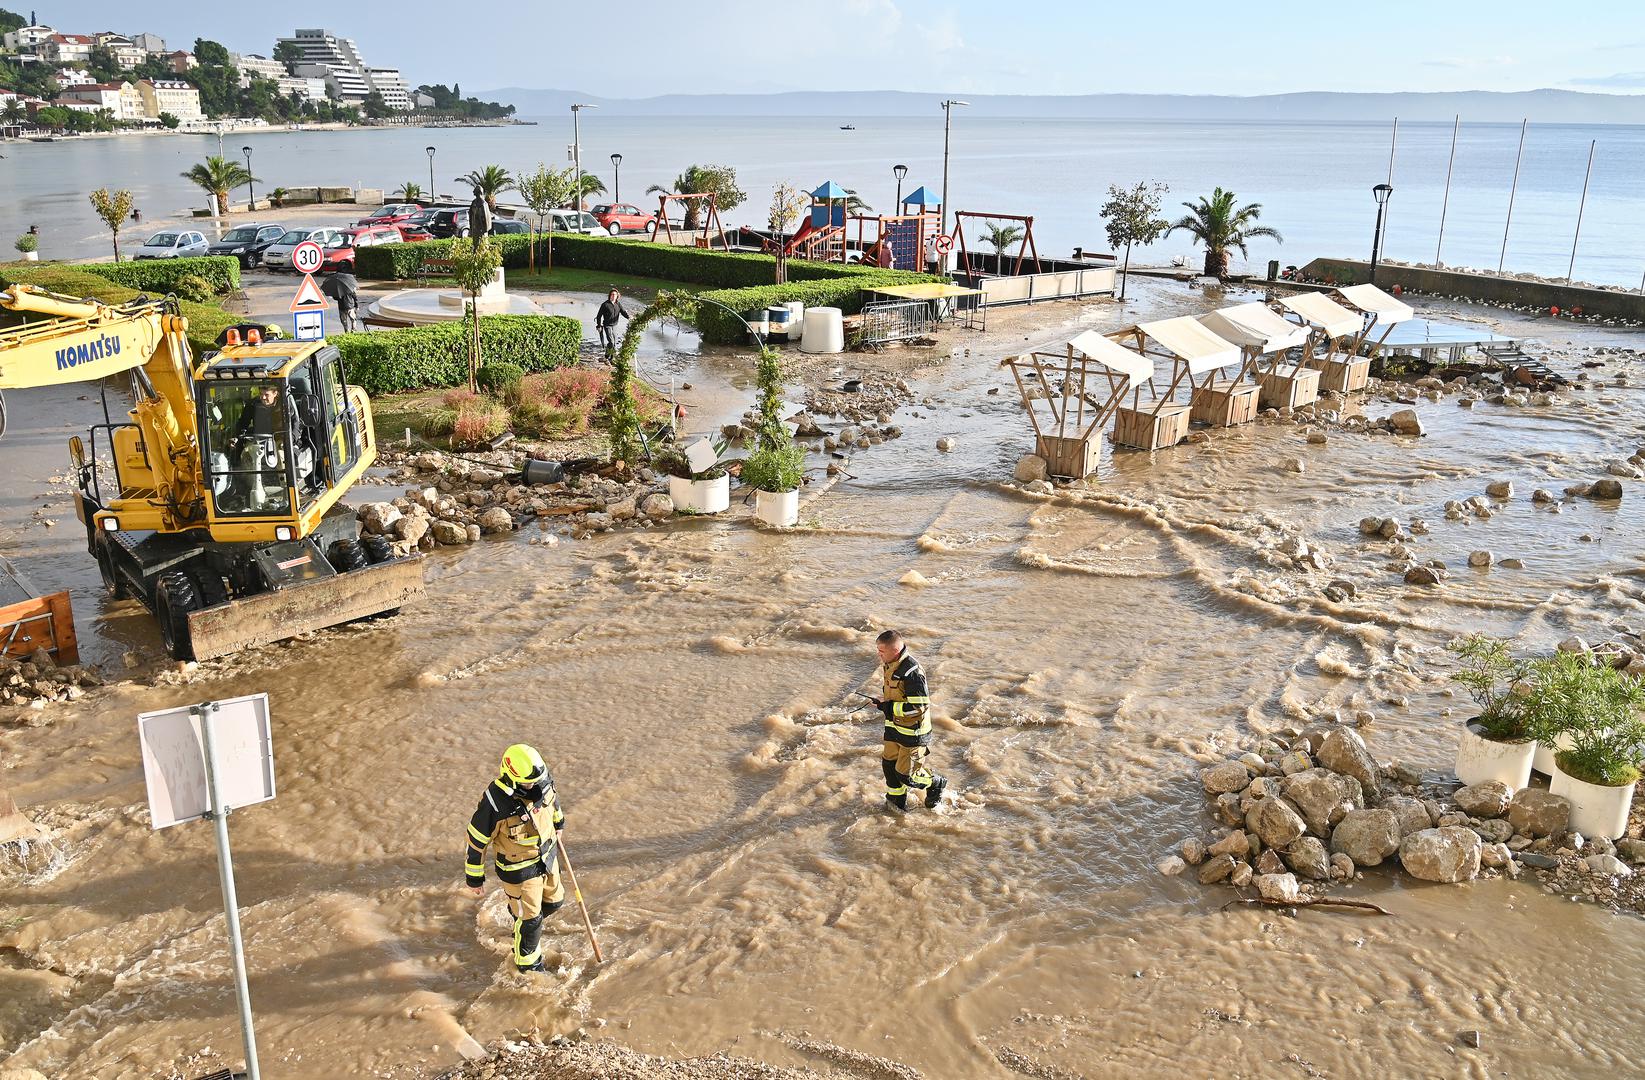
x=701 y=235
x=1026 y=248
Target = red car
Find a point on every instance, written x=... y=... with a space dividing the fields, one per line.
x=391 y=214
x=622 y=217
x=339 y=254
x=415 y=227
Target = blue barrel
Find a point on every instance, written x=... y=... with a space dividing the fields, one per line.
x=778 y=319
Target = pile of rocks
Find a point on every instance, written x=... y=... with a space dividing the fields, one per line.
x=869 y=399
x=456 y=502
x=36 y=682
x=1312 y=807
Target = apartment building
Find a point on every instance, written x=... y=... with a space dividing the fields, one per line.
x=170 y=96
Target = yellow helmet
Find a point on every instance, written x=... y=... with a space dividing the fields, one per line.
x=523 y=766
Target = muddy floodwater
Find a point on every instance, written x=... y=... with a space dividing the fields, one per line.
x=690 y=687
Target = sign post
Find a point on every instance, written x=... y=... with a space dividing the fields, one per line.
x=201 y=761
x=309 y=305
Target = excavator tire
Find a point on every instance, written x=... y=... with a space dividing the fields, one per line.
x=347 y=556
x=112 y=581
x=209 y=587
x=377 y=548
x=174 y=597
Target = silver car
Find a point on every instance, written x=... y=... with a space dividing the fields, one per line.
x=278 y=255
x=574 y=221
x=172 y=245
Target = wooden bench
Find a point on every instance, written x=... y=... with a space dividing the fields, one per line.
x=434 y=267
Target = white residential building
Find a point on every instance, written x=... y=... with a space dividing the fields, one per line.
x=25 y=38
x=66 y=48
x=258 y=65
x=127 y=53
x=302 y=89
x=323 y=55
x=149 y=43
x=170 y=96
x=120 y=98
x=69 y=77
x=387 y=82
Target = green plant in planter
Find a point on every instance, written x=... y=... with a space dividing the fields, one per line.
x=1600 y=710
x=775 y=469
x=26 y=243
x=1496 y=680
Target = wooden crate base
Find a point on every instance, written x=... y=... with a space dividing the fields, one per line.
x=1150 y=431
x=1225 y=404
x=1343 y=376
x=1288 y=387
x=1072 y=459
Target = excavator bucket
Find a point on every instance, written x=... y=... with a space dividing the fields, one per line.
x=297 y=609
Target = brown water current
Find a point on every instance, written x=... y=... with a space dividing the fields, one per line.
x=690 y=689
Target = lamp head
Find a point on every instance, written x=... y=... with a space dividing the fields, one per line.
x=616 y=159
x=430 y=150
x=1381 y=193
x=899 y=171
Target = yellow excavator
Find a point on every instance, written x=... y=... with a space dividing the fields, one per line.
x=216 y=500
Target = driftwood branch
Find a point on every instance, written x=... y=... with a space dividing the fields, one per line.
x=1325 y=902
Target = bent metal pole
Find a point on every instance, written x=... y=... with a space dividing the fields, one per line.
x=231 y=902
x=1513 y=189
x=1569 y=270
x=1445 y=205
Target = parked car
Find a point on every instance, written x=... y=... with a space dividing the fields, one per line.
x=390 y=214
x=509 y=226
x=248 y=242
x=340 y=253
x=448 y=221
x=277 y=256
x=173 y=245
x=575 y=221
x=415 y=227
x=623 y=217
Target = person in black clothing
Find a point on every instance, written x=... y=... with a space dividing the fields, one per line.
x=605 y=320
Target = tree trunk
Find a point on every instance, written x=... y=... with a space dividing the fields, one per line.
x=117 y=246
x=474 y=345
x=1125 y=274
x=1216 y=263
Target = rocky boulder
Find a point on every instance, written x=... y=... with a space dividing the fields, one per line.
x=1411 y=814
x=1486 y=800
x=1450 y=854
x=1280 y=887
x=1224 y=778
x=1606 y=489
x=495 y=520
x=1344 y=751
x=657 y=505
x=1216 y=868
x=1031 y=467
x=379 y=517
x=1320 y=796
x=449 y=532
x=1367 y=836
x=1535 y=812
x=410 y=528
x=1406 y=422
x=1276 y=822
x=1309 y=858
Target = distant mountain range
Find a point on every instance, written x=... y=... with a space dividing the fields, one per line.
x=1541 y=106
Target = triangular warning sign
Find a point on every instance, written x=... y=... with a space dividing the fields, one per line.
x=308 y=295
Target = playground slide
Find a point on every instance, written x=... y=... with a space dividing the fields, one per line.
x=805 y=230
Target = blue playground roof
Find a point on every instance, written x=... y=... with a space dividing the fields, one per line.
x=922 y=196
x=830 y=190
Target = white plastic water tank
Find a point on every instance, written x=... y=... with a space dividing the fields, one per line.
x=824 y=331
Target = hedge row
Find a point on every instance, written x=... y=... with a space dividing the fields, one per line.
x=158 y=277
x=422 y=357
x=205 y=321
x=720 y=327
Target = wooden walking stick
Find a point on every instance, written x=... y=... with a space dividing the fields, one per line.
x=571 y=875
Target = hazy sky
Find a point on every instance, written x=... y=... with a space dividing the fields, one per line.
x=636 y=48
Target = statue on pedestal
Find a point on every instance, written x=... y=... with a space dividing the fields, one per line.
x=479 y=216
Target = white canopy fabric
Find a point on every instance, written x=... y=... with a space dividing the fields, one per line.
x=1372 y=300
x=1254 y=326
x=1114 y=356
x=1198 y=347
x=1323 y=312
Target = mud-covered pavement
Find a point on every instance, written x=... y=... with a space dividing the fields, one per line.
x=690 y=688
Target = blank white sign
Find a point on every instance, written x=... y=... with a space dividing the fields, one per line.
x=174 y=759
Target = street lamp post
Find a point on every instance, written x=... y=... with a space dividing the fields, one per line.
x=1380 y=193
x=251 y=189
x=899 y=171
x=430 y=152
x=577 y=150
x=947 y=116
x=616 y=178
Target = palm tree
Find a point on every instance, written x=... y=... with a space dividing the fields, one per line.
x=999 y=237
x=410 y=191
x=13 y=112
x=683 y=184
x=591 y=185
x=854 y=203
x=1219 y=225
x=490 y=182
x=217 y=177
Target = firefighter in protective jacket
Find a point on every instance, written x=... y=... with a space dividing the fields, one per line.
x=520 y=819
x=907 y=710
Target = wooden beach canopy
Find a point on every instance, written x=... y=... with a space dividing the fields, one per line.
x=1320 y=311
x=1186 y=340
x=1255 y=328
x=1073 y=414
x=1333 y=323
x=1371 y=300
x=1196 y=351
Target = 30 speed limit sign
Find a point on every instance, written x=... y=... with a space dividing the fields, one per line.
x=307 y=257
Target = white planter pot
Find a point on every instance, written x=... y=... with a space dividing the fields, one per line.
x=31 y=256
x=779 y=508
x=1595 y=810
x=700 y=496
x=1480 y=759
x=1543 y=762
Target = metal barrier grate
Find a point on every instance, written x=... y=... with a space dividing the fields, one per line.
x=887 y=321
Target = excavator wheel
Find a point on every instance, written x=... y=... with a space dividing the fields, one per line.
x=347 y=556
x=174 y=597
x=112 y=581
x=377 y=548
x=209 y=586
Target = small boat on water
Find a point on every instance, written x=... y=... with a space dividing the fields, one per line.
x=848 y=127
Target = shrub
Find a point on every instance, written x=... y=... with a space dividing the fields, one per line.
x=26 y=243
x=499 y=377
x=779 y=468
x=157 y=277
x=193 y=287
x=1598 y=708
x=1494 y=677
x=478 y=420
x=420 y=357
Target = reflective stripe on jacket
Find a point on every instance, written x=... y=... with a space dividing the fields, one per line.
x=503 y=822
x=908 y=701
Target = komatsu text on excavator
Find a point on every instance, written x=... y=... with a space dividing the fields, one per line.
x=216 y=499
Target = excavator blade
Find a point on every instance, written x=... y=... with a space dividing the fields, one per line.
x=296 y=609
